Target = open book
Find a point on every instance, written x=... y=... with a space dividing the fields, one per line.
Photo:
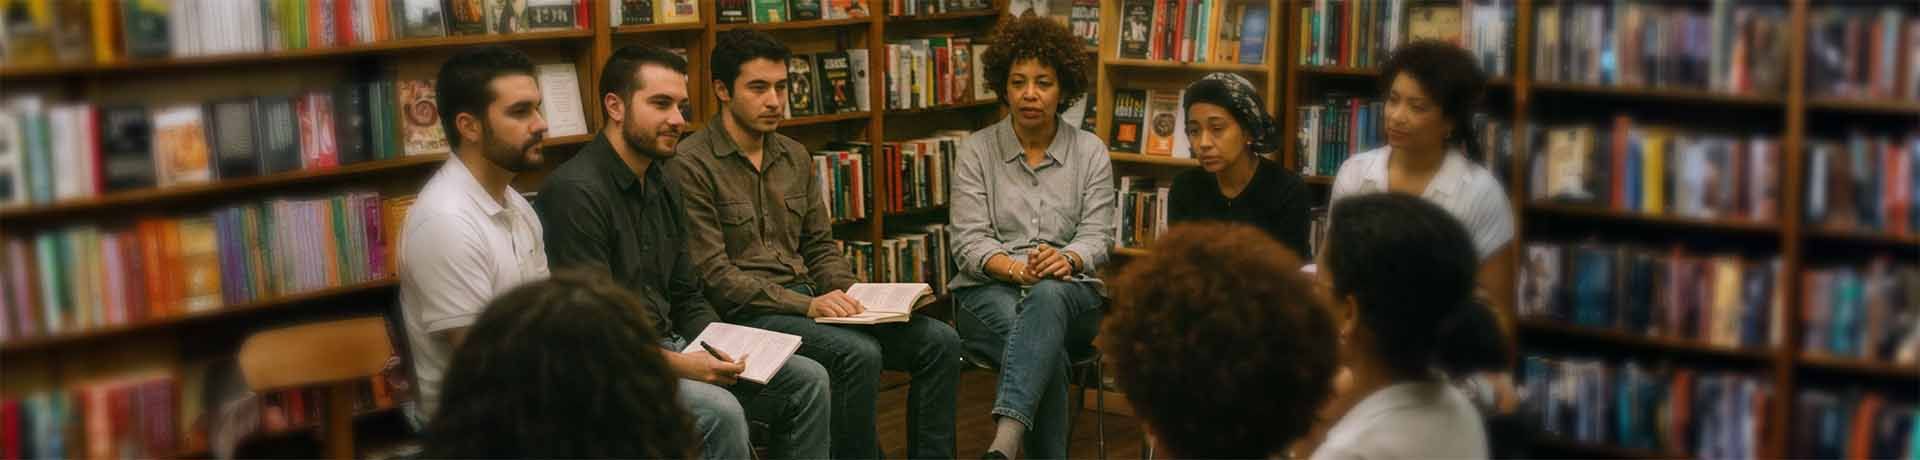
x=885 y=302
x=766 y=351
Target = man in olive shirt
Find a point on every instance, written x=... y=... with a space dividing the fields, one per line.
x=611 y=209
x=759 y=234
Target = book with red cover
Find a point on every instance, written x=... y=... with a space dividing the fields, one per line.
x=10 y=429
x=318 y=149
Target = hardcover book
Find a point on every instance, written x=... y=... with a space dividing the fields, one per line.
x=180 y=146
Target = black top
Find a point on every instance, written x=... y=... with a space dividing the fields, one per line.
x=598 y=215
x=1275 y=201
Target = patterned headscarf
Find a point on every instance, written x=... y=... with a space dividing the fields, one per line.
x=1234 y=93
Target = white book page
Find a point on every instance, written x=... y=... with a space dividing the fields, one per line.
x=766 y=351
x=888 y=298
x=560 y=99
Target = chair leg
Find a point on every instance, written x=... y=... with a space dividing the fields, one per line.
x=1074 y=404
x=1100 y=407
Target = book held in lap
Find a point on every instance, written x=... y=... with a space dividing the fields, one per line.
x=765 y=351
x=885 y=302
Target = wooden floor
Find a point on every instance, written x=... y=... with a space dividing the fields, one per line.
x=975 y=423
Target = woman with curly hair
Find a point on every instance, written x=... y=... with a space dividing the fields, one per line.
x=557 y=369
x=1224 y=307
x=1229 y=129
x=1032 y=215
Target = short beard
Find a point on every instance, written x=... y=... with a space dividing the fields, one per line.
x=512 y=158
x=646 y=143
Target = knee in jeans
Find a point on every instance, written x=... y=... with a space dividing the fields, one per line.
x=862 y=357
x=941 y=337
x=714 y=409
x=808 y=375
x=1052 y=294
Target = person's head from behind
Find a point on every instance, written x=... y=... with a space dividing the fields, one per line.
x=641 y=92
x=1227 y=123
x=750 y=79
x=1038 y=68
x=1220 y=343
x=1431 y=88
x=490 y=106
x=561 y=368
x=1401 y=275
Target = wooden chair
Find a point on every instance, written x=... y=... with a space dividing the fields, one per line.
x=338 y=354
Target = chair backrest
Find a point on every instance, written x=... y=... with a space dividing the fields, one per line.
x=316 y=353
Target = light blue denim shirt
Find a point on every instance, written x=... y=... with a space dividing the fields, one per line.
x=1001 y=205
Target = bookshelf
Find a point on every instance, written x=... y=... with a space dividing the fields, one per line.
x=586 y=47
x=1799 y=245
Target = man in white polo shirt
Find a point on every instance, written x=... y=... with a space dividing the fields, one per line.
x=469 y=235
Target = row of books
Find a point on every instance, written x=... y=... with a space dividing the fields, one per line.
x=1659 y=408
x=841 y=177
x=1220 y=31
x=916 y=173
x=89 y=277
x=643 y=12
x=131 y=417
x=1657 y=170
x=827 y=83
x=935 y=71
x=1080 y=16
x=1854 y=424
x=1338 y=128
x=42 y=32
x=1865 y=311
x=771 y=11
x=1149 y=122
x=1140 y=214
x=1857 y=53
x=922 y=255
x=1725 y=48
x=1362 y=33
x=920 y=7
x=1723 y=300
x=1864 y=182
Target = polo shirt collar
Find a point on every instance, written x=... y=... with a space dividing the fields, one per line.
x=723 y=144
x=1384 y=401
x=1445 y=184
x=463 y=178
x=1010 y=146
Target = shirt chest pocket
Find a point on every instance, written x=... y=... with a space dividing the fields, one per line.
x=796 y=215
x=736 y=225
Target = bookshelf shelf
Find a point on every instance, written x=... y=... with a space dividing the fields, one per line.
x=1892 y=107
x=1131 y=252
x=1334 y=71
x=1200 y=66
x=1318 y=180
x=944 y=108
x=134 y=67
x=1662 y=94
x=1865 y=236
x=1556 y=210
x=822 y=119
x=658 y=28
x=1663 y=345
x=564 y=141
x=789 y=25
x=919 y=212
x=944 y=16
x=283 y=302
x=1857 y=366
x=1155 y=160
x=114 y=201
x=1548 y=443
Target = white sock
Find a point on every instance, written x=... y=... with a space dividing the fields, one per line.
x=1006 y=437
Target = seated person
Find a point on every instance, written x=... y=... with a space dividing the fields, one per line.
x=1220 y=343
x=1032 y=221
x=758 y=233
x=1400 y=271
x=1230 y=130
x=611 y=209
x=548 y=371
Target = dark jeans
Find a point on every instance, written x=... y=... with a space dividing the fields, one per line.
x=794 y=404
x=1029 y=334
x=854 y=356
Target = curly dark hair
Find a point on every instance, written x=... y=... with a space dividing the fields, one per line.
x=462 y=84
x=561 y=368
x=1042 y=39
x=1411 y=266
x=1226 y=305
x=1450 y=77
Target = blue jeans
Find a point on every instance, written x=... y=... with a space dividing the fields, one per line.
x=1030 y=334
x=854 y=357
x=794 y=403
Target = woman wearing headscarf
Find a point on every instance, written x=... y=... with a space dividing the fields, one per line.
x=1230 y=131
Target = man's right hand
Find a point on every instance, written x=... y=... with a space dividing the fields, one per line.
x=834 y=304
x=715 y=370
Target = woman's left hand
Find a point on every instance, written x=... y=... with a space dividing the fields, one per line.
x=1047 y=262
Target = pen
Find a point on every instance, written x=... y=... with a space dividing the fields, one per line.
x=715 y=352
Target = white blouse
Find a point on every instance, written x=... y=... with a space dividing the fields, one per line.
x=1424 y=420
x=1467 y=191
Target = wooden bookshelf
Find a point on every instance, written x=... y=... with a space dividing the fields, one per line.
x=796 y=25
x=658 y=28
x=1657 y=345
x=1566 y=211
x=823 y=119
x=1334 y=71
x=1318 y=180
x=1879 y=106
x=1910 y=241
x=132 y=67
x=945 y=107
x=1860 y=367
x=1156 y=160
x=1662 y=94
x=989 y=13
x=1251 y=69
x=284 y=302
x=1547 y=446
x=216 y=190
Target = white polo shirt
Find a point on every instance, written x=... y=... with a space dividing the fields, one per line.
x=458 y=249
x=1424 y=420
x=1466 y=190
